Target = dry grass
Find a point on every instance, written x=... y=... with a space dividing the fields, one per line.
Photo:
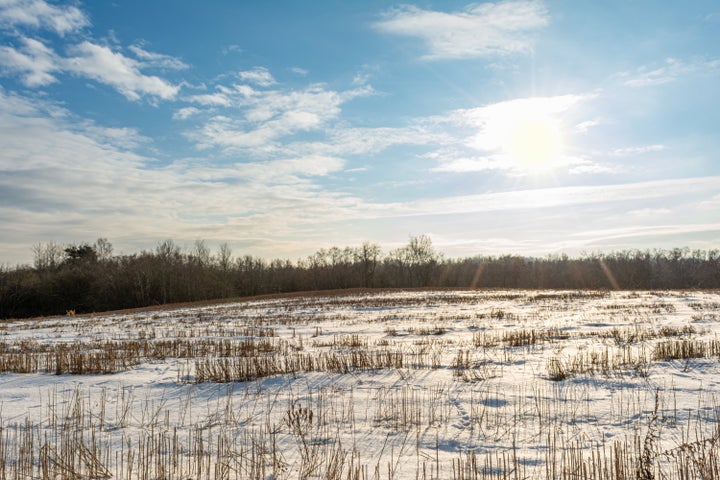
x=336 y=388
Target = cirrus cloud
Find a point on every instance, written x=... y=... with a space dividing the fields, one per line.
x=39 y=65
x=39 y=14
x=34 y=62
x=254 y=120
x=115 y=69
x=259 y=76
x=481 y=30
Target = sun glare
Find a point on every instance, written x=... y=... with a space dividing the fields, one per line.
x=533 y=142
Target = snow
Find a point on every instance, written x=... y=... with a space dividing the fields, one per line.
x=463 y=394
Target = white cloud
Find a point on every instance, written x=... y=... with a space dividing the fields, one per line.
x=583 y=127
x=562 y=197
x=232 y=49
x=670 y=71
x=469 y=164
x=480 y=30
x=265 y=116
x=158 y=60
x=461 y=141
x=35 y=62
x=39 y=14
x=299 y=71
x=641 y=150
x=185 y=113
x=112 y=68
x=649 y=212
x=713 y=202
x=581 y=166
x=38 y=66
x=259 y=76
x=122 y=138
x=311 y=166
x=490 y=121
x=210 y=99
x=66 y=181
x=361 y=141
x=648 y=231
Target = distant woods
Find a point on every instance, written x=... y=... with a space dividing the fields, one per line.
x=90 y=278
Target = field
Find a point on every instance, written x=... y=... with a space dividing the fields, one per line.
x=379 y=385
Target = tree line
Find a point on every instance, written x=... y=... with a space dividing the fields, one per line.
x=90 y=278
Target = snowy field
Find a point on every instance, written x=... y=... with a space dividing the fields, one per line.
x=387 y=385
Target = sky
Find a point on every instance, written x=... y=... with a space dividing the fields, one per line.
x=512 y=127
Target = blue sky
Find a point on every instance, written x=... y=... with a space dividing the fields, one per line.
x=524 y=127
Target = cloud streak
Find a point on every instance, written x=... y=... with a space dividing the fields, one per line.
x=672 y=70
x=69 y=181
x=72 y=181
x=34 y=62
x=481 y=30
x=157 y=60
x=259 y=76
x=255 y=120
x=38 y=14
x=561 y=197
x=39 y=65
x=115 y=69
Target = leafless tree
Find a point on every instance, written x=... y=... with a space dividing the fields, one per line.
x=224 y=258
x=47 y=255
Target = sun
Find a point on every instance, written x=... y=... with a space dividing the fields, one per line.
x=533 y=142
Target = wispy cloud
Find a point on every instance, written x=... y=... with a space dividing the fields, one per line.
x=648 y=231
x=299 y=71
x=56 y=176
x=640 y=150
x=583 y=127
x=584 y=166
x=454 y=161
x=185 y=113
x=115 y=69
x=39 y=14
x=157 y=60
x=210 y=99
x=38 y=65
x=259 y=122
x=480 y=30
x=476 y=139
x=259 y=76
x=34 y=62
x=232 y=49
x=563 y=197
x=671 y=70
x=121 y=138
x=255 y=120
x=363 y=141
x=491 y=122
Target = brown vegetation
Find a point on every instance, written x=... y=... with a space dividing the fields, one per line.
x=88 y=278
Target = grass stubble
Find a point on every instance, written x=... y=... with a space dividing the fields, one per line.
x=484 y=385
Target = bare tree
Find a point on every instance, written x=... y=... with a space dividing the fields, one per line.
x=103 y=249
x=47 y=255
x=201 y=252
x=167 y=250
x=224 y=257
x=419 y=259
x=368 y=256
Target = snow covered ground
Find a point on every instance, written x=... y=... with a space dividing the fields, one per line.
x=397 y=385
